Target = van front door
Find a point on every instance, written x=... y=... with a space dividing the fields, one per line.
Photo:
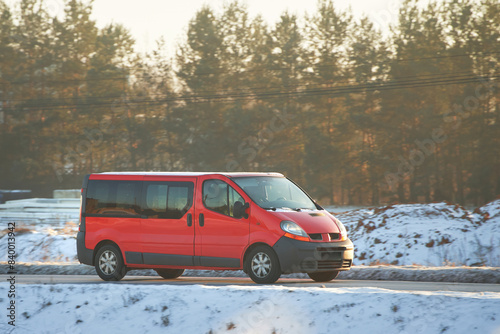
x=220 y=237
x=167 y=231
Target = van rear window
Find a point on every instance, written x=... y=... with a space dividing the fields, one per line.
x=113 y=198
x=166 y=200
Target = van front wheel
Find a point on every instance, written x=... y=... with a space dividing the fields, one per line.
x=170 y=273
x=324 y=276
x=109 y=263
x=262 y=265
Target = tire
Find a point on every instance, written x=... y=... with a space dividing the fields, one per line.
x=324 y=276
x=262 y=265
x=109 y=263
x=169 y=273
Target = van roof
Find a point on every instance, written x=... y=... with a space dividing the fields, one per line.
x=228 y=174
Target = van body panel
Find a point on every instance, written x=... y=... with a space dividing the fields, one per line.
x=264 y=227
x=319 y=222
x=222 y=236
x=219 y=235
x=167 y=235
x=117 y=176
x=122 y=231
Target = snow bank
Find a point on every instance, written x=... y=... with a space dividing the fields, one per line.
x=122 y=308
x=44 y=243
x=490 y=211
x=426 y=234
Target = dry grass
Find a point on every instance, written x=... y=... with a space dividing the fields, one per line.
x=379 y=263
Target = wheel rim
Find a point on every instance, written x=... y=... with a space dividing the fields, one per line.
x=261 y=265
x=108 y=262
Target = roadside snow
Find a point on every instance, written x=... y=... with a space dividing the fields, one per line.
x=426 y=234
x=112 y=308
x=43 y=243
x=491 y=211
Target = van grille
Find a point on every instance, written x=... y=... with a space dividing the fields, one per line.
x=327 y=258
x=326 y=264
x=334 y=264
x=319 y=236
x=316 y=236
x=334 y=236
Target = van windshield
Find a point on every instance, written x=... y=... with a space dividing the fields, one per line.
x=272 y=193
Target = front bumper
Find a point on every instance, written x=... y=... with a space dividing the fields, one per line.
x=305 y=257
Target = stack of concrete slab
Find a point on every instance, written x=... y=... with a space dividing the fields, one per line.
x=40 y=210
x=67 y=193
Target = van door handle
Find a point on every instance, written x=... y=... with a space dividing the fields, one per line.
x=202 y=219
x=189 y=219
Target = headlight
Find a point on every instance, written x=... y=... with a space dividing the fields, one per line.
x=294 y=231
x=343 y=230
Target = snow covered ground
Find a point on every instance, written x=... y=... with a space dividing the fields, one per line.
x=124 y=308
x=425 y=234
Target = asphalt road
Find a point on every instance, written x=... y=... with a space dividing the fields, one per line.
x=290 y=282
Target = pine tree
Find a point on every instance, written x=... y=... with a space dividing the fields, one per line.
x=368 y=56
x=327 y=42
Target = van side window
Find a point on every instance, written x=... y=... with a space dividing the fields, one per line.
x=167 y=200
x=179 y=201
x=220 y=197
x=113 y=198
x=233 y=198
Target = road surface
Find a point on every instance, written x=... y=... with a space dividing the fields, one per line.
x=289 y=282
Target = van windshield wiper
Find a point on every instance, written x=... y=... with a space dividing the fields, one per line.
x=283 y=207
x=294 y=209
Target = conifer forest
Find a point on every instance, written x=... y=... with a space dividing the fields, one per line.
x=354 y=114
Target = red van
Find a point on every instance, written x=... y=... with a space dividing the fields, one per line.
x=261 y=223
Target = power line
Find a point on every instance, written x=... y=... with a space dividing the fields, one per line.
x=333 y=91
x=266 y=88
x=405 y=79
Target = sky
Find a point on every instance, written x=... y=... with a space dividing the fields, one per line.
x=148 y=20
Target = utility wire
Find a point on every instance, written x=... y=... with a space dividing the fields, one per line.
x=402 y=80
x=304 y=93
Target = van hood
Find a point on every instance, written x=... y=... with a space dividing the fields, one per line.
x=310 y=221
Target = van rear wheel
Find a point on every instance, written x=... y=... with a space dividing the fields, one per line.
x=262 y=265
x=109 y=263
x=170 y=273
x=324 y=276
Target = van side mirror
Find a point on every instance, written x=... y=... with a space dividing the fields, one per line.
x=239 y=210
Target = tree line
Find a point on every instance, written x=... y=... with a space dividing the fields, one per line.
x=354 y=115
